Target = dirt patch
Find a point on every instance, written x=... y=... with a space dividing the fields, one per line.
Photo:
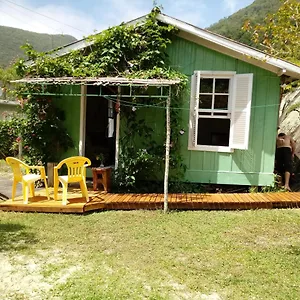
x=33 y=277
x=181 y=292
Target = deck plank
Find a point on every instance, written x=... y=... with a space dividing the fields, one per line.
x=100 y=200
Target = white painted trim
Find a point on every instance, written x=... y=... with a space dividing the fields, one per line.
x=214 y=116
x=239 y=107
x=192 y=114
x=82 y=126
x=231 y=48
x=212 y=148
x=194 y=107
x=217 y=74
x=167 y=157
x=117 y=140
x=118 y=131
x=211 y=40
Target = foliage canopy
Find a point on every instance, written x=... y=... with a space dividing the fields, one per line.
x=126 y=50
x=279 y=34
x=255 y=12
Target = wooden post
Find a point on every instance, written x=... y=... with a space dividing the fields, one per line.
x=50 y=173
x=167 y=159
x=117 y=129
x=82 y=127
x=20 y=149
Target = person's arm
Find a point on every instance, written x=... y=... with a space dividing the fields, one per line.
x=293 y=145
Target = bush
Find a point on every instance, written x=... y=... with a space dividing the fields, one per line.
x=9 y=137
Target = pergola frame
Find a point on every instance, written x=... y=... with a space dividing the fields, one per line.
x=118 y=82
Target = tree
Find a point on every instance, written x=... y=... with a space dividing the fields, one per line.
x=279 y=35
x=6 y=75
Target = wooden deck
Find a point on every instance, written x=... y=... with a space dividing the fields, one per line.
x=100 y=201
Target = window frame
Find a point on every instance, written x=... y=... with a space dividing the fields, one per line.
x=195 y=102
x=240 y=112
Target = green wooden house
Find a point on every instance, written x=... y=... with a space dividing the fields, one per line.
x=229 y=116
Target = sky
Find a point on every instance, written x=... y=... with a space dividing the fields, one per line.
x=82 y=18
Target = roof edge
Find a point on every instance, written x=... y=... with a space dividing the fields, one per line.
x=233 y=48
x=209 y=39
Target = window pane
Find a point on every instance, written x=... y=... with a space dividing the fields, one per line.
x=206 y=85
x=204 y=113
x=221 y=102
x=205 y=101
x=213 y=132
x=221 y=114
x=222 y=86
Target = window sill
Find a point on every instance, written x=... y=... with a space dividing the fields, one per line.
x=212 y=149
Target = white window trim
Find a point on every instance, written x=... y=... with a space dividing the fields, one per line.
x=215 y=74
x=223 y=149
x=239 y=110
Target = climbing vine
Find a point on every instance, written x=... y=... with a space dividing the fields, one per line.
x=133 y=51
x=142 y=156
x=137 y=51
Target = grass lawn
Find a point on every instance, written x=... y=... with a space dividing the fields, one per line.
x=150 y=255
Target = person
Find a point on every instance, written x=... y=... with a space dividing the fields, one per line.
x=285 y=150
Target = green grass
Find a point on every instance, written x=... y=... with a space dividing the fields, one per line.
x=150 y=255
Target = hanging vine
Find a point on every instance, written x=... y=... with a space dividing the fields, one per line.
x=133 y=51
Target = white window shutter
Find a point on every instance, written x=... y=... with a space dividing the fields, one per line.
x=194 y=106
x=240 y=111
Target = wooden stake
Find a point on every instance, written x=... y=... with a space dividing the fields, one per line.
x=117 y=128
x=167 y=159
x=83 y=102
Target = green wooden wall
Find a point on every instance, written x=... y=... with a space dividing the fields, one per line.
x=71 y=107
x=7 y=108
x=251 y=167
x=246 y=167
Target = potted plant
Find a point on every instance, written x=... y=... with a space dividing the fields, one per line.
x=100 y=157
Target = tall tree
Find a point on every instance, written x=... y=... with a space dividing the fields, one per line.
x=279 y=34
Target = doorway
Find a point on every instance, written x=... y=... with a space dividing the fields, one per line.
x=100 y=127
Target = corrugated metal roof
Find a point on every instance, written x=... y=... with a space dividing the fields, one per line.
x=232 y=48
x=213 y=41
x=99 y=81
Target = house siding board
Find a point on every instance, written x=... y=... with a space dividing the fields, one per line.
x=6 y=109
x=271 y=110
x=71 y=107
x=247 y=167
x=154 y=118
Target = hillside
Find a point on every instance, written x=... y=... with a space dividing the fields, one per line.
x=12 y=38
x=256 y=12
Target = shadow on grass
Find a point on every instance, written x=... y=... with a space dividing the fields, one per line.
x=294 y=250
x=15 y=237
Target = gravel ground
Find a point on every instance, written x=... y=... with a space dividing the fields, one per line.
x=6 y=187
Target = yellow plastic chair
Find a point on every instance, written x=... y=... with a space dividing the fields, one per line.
x=28 y=179
x=76 y=173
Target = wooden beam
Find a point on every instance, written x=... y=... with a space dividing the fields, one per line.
x=167 y=159
x=117 y=128
x=82 y=125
